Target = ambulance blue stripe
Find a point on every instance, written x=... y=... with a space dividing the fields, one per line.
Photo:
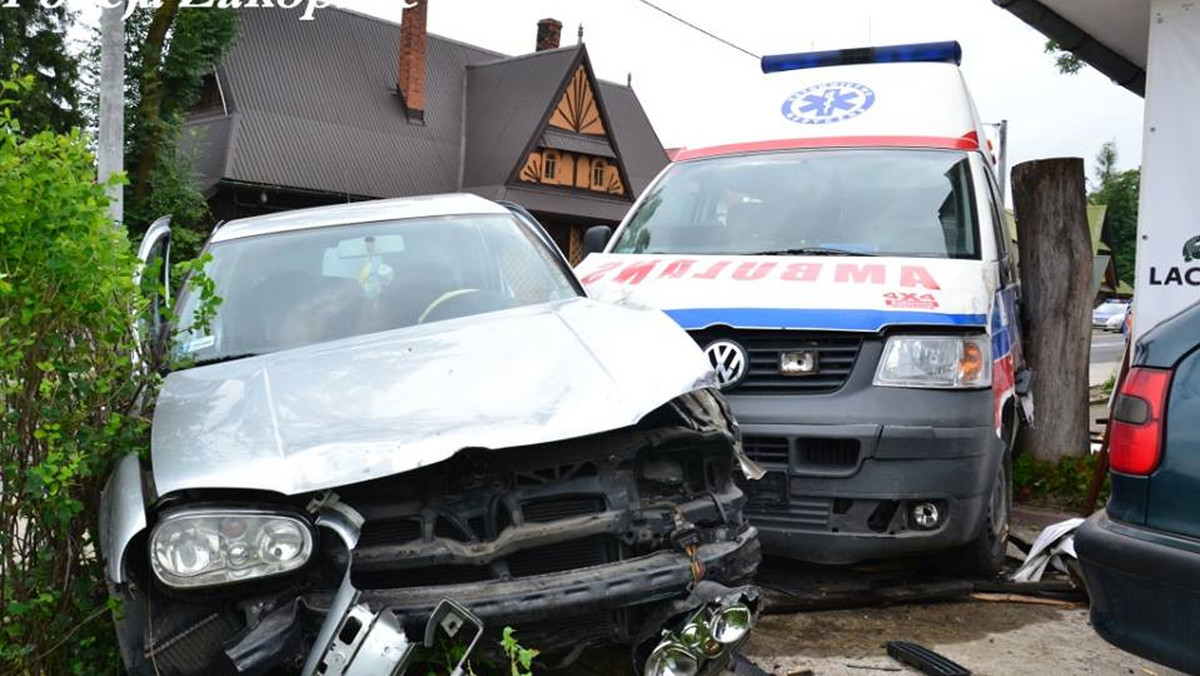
x=1000 y=344
x=840 y=320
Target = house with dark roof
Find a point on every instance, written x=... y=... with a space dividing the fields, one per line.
x=351 y=107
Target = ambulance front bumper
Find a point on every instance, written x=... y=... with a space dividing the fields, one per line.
x=868 y=472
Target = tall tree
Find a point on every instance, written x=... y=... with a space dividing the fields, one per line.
x=169 y=50
x=33 y=37
x=1106 y=163
x=1119 y=190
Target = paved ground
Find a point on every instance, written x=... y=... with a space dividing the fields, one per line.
x=1107 y=349
x=989 y=638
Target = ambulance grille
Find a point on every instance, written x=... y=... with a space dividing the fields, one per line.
x=835 y=353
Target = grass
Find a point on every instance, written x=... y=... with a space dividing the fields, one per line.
x=1062 y=484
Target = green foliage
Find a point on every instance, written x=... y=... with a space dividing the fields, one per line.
x=520 y=659
x=69 y=395
x=33 y=36
x=1119 y=190
x=161 y=178
x=1062 y=484
x=1066 y=62
x=1108 y=385
x=447 y=655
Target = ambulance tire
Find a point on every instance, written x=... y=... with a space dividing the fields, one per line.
x=983 y=557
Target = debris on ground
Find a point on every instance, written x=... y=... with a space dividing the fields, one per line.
x=1051 y=549
x=924 y=660
x=1020 y=598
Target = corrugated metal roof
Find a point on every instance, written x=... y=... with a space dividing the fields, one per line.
x=507 y=101
x=576 y=143
x=313 y=106
x=319 y=111
x=641 y=151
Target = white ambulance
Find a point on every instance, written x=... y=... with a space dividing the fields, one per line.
x=854 y=286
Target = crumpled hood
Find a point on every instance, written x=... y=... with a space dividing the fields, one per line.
x=362 y=408
x=844 y=293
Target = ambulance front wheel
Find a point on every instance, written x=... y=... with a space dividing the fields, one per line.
x=983 y=557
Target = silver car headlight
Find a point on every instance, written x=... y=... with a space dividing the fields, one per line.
x=936 y=362
x=205 y=547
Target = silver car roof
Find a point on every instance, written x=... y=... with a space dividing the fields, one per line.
x=358 y=212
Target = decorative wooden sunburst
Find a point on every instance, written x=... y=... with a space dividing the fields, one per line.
x=577 y=110
x=614 y=184
x=532 y=171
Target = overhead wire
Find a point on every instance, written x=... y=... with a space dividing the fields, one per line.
x=701 y=30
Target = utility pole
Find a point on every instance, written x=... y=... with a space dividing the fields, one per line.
x=111 y=151
x=1003 y=168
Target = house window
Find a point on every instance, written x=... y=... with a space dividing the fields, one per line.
x=550 y=166
x=598 y=167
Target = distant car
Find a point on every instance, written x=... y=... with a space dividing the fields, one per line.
x=1110 y=315
x=1141 y=555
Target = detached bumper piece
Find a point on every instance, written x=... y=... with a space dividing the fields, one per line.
x=374 y=644
x=924 y=660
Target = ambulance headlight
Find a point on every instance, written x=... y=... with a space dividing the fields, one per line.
x=936 y=362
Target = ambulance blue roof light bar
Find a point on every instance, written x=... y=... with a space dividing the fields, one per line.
x=930 y=52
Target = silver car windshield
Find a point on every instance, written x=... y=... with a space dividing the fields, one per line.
x=883 y=202
x=287 y=290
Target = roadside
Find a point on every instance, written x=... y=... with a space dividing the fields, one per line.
x=989 y=638
x=1105 y=356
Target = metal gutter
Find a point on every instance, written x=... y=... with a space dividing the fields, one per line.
x=1071 y=38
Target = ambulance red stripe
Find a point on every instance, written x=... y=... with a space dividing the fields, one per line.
x=967 y=142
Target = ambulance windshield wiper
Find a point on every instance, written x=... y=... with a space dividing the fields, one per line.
x=810 y=251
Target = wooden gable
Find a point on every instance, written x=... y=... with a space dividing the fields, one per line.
x=577 y=110
x=574 y=148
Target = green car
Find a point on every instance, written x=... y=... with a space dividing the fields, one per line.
x=1141 y=555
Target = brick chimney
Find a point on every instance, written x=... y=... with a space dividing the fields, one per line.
x=410 y=81
x=548 y=35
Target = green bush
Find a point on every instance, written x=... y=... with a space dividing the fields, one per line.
x=69 y=395
x=1061 y=484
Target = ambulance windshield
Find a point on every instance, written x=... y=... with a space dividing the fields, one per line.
x=881 y=202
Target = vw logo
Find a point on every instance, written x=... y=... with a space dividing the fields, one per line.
x=728 y=360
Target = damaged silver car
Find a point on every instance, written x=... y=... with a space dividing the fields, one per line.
x=406 y=420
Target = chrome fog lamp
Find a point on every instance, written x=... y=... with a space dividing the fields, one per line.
x=731 y=623
x=202 y=548
x=695 y=635
x=671 y=658
x=926 y=515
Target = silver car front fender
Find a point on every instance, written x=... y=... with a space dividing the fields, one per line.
x=122 y=515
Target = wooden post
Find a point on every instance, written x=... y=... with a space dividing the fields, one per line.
x=1056 y=284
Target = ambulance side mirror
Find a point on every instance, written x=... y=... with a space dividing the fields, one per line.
x=596 y=238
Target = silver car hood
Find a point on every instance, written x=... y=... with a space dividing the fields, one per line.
x=371 y=406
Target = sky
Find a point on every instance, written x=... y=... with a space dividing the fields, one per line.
x=692 y=86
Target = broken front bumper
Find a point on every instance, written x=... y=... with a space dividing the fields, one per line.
x=613 y=586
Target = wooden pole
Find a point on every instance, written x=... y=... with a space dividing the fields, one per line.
x=1096 y=483
x=1056 y=284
